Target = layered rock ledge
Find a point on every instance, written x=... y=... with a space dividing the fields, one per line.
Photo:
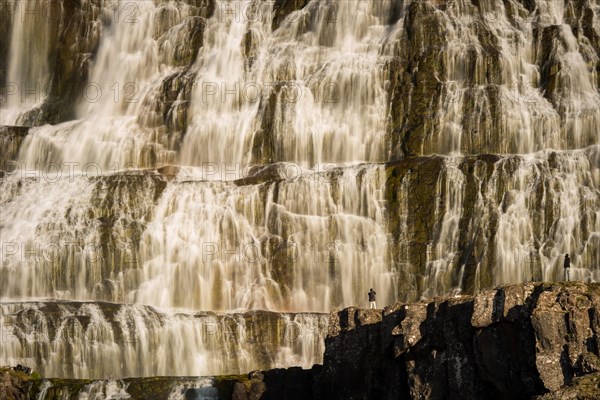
x=524 y=341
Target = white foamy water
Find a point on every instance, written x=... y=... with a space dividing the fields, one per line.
x=104 y=340
x=265 y=246
x=100 y=390
x=28 y=69
x=324 y=84
x=111 y=128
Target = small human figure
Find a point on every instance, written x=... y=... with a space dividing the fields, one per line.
x=567 y=265
x=372 y=304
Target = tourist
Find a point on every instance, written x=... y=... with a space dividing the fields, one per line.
x=567 y=265
x=372 y=303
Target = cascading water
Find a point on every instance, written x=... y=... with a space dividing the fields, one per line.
x=111 y=131
x=323 y=88
x=239 y=155
x=203 y=245
x=28 y=67
x=305 y=244
x=110 y=389
x=99 y=340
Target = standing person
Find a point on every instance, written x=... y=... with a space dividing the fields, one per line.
x=567 y=265
x=372 y=304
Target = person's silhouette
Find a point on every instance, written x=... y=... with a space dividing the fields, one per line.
x=567 y=265
x=372 y=298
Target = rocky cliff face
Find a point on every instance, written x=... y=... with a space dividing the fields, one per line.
x=14 y=385
x=423 y=225
x=11 y=138
x=512 y=342
x=477 y=77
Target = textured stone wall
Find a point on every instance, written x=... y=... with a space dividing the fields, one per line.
x=512 y=342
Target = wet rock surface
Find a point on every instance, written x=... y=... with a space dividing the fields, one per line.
x=11 y=138
x=283 y=8
x=430 y=90
x=423 y=93
x=14 y=385
x=490 y=191
x=586 y=387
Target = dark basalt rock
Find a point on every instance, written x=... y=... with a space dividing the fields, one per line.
x=512 y=342
x=11 y=138
x=186 y=40
x=7 y=9
x=283 y=8
x=267 y=173
x=418 y=73
x=276 y=384
x=76 y=38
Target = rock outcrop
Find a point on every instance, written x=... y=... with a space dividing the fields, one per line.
x=15 y=384
x=512 y=342
x=11 y=138
x=533 y=340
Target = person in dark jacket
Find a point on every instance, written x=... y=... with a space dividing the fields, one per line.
x=567 y=265
x=372 y=304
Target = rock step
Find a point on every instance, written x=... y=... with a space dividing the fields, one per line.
x=534 y=340
x=100 y=340
x=282 y=384
x=514 y=341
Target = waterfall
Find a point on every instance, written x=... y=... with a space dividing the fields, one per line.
x=441 y=254
x=463 y=223
x=265 y=246
x=249 y=165
x=322 y=90
x=527 y=88
x=229 y=245
x=30 y=47
x=306 y=241
x=110 y=389
x=100 y=340
x=114 y=126
x=44 y=390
